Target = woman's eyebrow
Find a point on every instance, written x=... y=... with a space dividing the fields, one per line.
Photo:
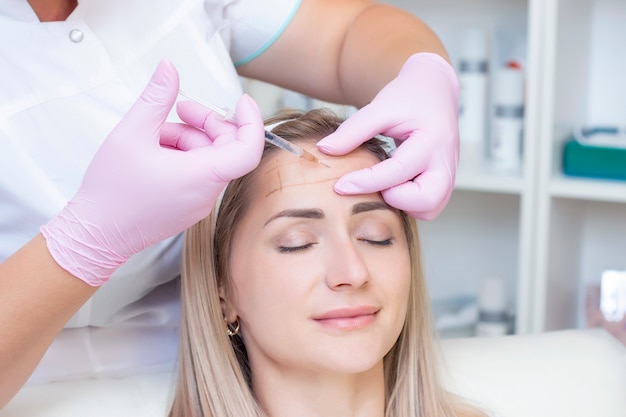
x=315 y=213
x=308 y=213
x=369 y=206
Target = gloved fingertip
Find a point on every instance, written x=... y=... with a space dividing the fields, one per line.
x=251 y=102
x=166 y=74
x=345 y=187
x=164 y=65
x=247 y=108
x=163 y=86
x=186 y=107
x=326 y=145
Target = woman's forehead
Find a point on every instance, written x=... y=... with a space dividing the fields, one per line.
x=282 y=171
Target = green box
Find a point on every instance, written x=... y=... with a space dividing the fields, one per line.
x=595 y=161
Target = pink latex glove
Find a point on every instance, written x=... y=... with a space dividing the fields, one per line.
x=419 y=109
x=151 y=180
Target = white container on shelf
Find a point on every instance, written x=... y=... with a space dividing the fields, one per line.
x=473 y=74
x=493 y=318
x=507 y=132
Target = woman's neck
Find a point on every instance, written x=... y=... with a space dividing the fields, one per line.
x=358 y=395
x=53 y=10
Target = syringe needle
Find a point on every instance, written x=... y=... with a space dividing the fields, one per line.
x=310 y=157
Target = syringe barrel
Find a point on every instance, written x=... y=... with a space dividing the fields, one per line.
x=282 y=143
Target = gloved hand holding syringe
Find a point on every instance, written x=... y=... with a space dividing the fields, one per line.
x=276 y=140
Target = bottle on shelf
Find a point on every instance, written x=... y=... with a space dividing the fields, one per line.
x=473 y=73
x=507 y=131
x=493 y=317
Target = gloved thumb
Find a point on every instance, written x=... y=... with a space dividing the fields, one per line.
x=156 y=100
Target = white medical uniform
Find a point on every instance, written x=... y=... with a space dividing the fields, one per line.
x=63 y=87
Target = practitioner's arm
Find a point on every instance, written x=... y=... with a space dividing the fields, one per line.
x=37 y=298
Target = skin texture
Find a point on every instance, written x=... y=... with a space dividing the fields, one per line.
x=53 y=10
x=320 y=273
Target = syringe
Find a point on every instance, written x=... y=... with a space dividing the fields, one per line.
x=269 y=136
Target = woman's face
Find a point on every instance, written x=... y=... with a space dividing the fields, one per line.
x=319 y=281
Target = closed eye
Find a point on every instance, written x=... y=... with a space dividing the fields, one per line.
x=292 y=249
x=386 y=242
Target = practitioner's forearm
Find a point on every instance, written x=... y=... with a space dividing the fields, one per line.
x=37 y=298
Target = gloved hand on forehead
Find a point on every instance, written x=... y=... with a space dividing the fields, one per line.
x=419 y=109
x=151 y=180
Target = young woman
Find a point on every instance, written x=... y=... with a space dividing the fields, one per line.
x=298 y=301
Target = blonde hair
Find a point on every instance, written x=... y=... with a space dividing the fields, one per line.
x=213 y=376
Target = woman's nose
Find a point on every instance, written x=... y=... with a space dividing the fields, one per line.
x=345 y=266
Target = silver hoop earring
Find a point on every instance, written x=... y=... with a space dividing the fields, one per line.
x=232 y=328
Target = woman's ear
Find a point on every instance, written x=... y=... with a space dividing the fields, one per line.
x=228 y=310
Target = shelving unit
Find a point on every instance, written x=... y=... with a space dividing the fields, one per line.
x=581 y=223
x=546 y=234
x=487 y=228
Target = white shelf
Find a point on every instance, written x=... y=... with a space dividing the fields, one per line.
x=588 y=189
x=489 y=178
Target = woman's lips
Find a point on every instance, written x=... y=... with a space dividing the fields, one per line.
x=348 y=318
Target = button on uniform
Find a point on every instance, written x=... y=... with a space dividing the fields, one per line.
x=76 y=35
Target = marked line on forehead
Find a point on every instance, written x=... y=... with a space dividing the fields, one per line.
x=282 y=186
